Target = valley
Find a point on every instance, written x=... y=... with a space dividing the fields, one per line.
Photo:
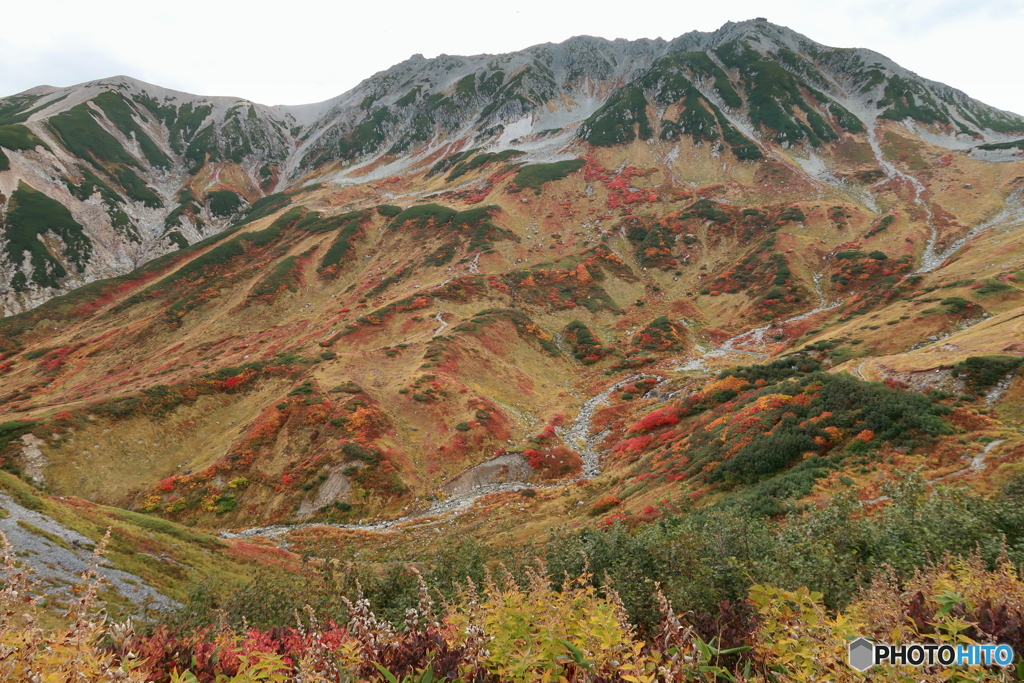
x=481 y=310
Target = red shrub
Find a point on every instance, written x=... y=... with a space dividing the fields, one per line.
x=661 y=417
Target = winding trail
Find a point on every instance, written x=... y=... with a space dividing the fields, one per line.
x=577 y=435
x=977 y=464
x=860 y=370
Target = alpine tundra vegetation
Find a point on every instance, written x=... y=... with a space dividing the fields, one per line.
x=622 y=361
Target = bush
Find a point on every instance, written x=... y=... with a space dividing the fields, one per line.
x=614 y=123
x=354 y=450
x=224 y=202
x=991 y=286
x=983 y=372
x=604 y=504
x=389 y=210
x=534 y=176
x=956 y=304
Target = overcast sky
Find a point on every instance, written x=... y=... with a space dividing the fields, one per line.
x=309 y=51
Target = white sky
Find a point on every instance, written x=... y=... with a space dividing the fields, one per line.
x=311 y=50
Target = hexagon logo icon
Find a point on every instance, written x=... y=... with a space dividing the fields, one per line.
x=862 y=654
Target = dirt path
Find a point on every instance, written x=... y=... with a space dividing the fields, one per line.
x=977 y=464
x=860 y=370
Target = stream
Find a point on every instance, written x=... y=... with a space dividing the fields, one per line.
x=576 y=435
x=756 y=335
x=1012 y=213
x=440 y=318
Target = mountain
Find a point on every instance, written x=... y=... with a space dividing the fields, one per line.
x=736 y=268
x=140 y=170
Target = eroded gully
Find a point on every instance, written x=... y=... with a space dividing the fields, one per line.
x=578 y=435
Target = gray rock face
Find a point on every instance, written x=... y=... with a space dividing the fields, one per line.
x=60 y=558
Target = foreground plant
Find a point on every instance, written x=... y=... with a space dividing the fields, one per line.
x=29 y=652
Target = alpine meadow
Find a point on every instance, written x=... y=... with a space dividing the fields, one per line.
x=600 y=361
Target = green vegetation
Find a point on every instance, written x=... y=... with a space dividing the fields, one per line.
x=177 y=238
x=743 y=148
x=661 y=334
x=907 y=99
x=707 y=210
x=777 y=428
x=474 y=223
x=22 y=493
x=696 y=120
x=535 y=176
x=358 y=452
x=266 y=206
x=343 y=246
x=524 y=325
x=585 y=345
x=367 y=136
x=702 y=558
x=30 y=214
x=136 y=188
x=86 y=139
x=702 y=67
x=897 y=417
x=422 y=215
x=619 y=120
x=119 y=111
x=162 y=526
x=19 y=137
x=91 y=184
x=52 y=538
x=12 y=109
x=12 y=430
x=389 y=210
x=530 y=85
x=883 y=224
x=772 y=93
x=285 y=275
x=232 y=248
x=1015 y=144
x=983 y=372
x=469 y=164
x=991 y=286
x=224 y=202
x=450 y=161
x=187 y=124
x=846 y=120
x=201 y=148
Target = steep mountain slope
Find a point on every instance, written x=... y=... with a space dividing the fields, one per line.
x=477 y=272
x=140 y=170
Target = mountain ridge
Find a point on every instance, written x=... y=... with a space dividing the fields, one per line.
x=414 y=110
